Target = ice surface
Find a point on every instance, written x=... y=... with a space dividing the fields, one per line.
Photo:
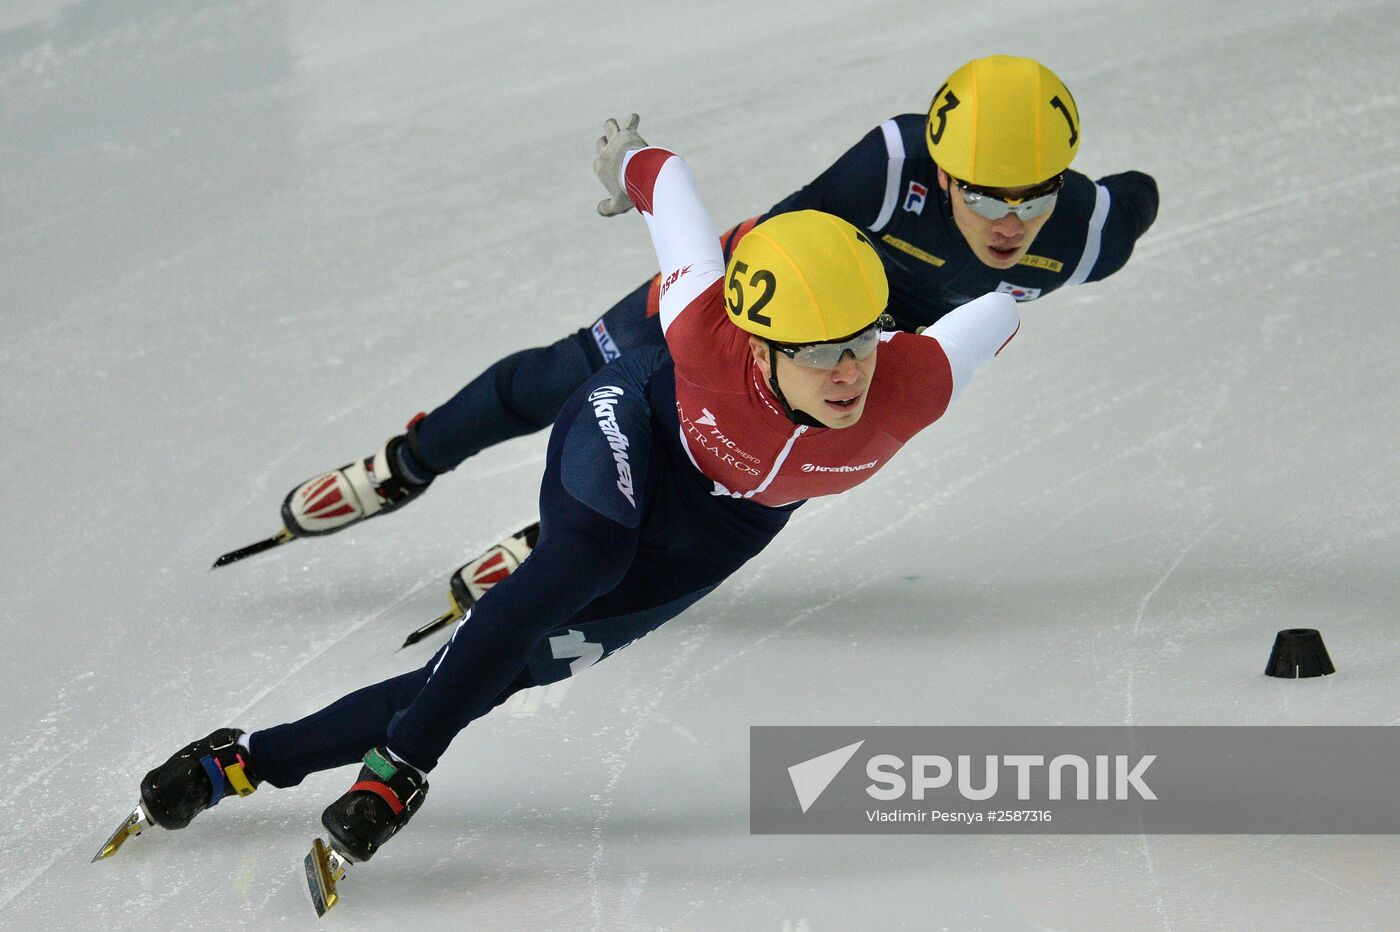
x=243 y=241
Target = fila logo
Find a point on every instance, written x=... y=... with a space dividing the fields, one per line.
x=606 y=346
x=811 y=777
x=915 y=198
x=1019 y=292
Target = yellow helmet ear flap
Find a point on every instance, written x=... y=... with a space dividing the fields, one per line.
x=805 y=277
x=1003 y=122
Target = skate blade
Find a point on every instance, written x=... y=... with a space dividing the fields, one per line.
x=324 y=868
x=283 y=536
x=132 y=825
x=452 y=615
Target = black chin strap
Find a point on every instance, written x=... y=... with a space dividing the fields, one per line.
x=797 y=417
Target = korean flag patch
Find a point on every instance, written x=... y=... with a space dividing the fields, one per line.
x=1019 y=292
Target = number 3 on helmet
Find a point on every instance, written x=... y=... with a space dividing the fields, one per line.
x=1003 y=122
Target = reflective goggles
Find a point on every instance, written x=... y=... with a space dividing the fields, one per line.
x=990 y=207
x=828 y=355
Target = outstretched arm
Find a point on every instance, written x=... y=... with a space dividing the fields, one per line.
x=661 y=185
x=682 y=233
x=973 y=333
x=1132 y=207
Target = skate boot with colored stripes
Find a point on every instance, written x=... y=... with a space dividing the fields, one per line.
x=384 y=797
x=194 y=779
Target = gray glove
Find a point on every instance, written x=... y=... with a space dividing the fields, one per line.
x=613 y=147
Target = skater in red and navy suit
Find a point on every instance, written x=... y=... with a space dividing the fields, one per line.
x=975 y=196
x=666 y=472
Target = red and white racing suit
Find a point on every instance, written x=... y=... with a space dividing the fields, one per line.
x=732 y=425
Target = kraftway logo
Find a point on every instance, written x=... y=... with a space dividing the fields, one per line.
x=1113 y=778
x=603 y=400
x=812 y=467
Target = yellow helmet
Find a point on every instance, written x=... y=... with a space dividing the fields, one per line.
x=1003 y=122
x=805 y=277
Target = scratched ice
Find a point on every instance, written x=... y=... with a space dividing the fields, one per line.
x=244 y=240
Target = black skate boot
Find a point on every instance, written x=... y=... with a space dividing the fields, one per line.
x=373 y=486
x=385 y=796
x=196 y=778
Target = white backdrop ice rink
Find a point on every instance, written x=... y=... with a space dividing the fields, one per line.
x=242 y=242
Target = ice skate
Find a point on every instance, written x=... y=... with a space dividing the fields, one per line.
x=383 y=798
x=471 y=581
x=333 y=501
x=195 y=778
